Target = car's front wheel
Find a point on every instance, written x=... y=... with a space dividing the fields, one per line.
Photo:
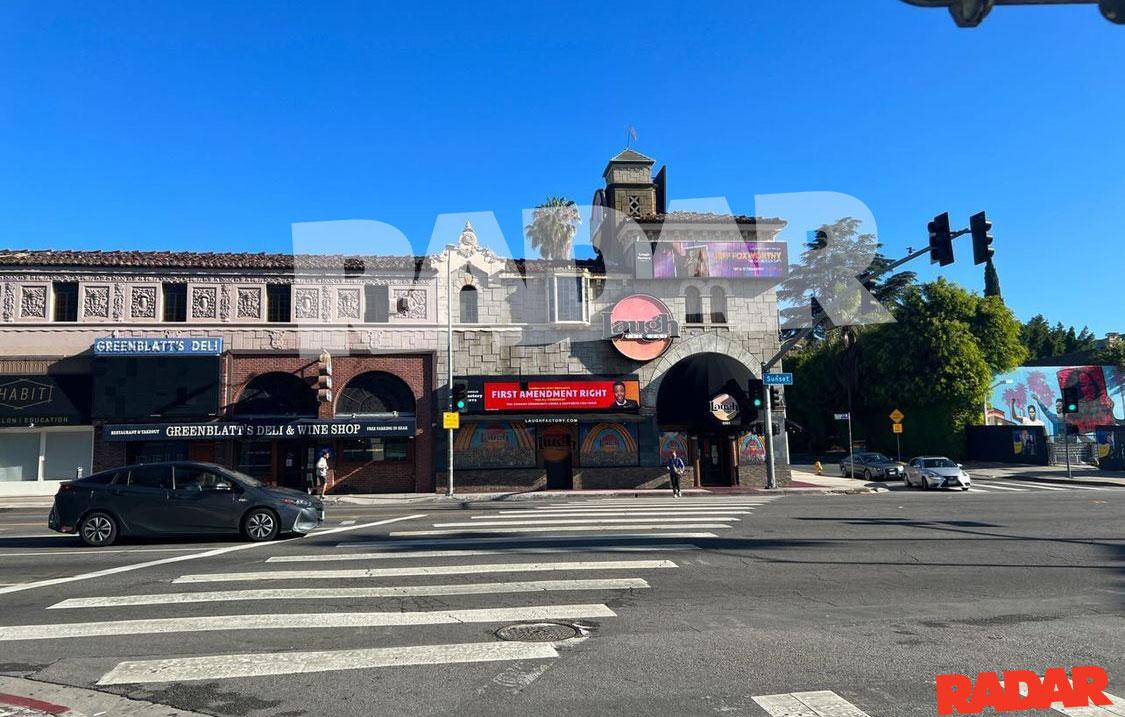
x=260 y=525
x=98 y=529
x=867 y=474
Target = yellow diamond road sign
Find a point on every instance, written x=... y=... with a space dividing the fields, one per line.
x=450 y=419
x=897 y=416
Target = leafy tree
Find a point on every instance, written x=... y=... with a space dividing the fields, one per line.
x=991 y=280
x=1112 y=353
x=1044 y=341
x=553 y=227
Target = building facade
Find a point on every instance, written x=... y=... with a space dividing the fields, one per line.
x=568 y=374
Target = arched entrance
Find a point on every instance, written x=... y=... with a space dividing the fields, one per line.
x=276 y=396
x=382 y=463
x=704 y=397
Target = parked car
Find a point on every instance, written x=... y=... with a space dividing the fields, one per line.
x=181 y=498
x=872 y=466
x=936 y=472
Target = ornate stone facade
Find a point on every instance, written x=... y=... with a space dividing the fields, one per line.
x=249 y=302
x=204 y=302
x=142 y=305
x=306 y=303
x=95 y=302
x=410 y=303
x=347 y=304
x=33 y=302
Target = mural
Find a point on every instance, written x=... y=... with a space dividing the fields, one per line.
x=494 y=444
x=607 y=444
x=673 y=442
x=1034 y=397
x=751 y=450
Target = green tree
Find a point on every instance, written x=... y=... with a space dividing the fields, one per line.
x=553 y=227
x=991 y=280
x=1045 y=341
x=1112 y=353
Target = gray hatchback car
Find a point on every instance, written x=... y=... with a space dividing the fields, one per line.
x=181 y=498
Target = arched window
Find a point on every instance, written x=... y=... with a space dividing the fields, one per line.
x=718 y=305
x=276 y=394
x=375 y=392
x=694 y=313
x=469 y=313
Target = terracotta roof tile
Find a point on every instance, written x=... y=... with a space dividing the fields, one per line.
x=203 y=260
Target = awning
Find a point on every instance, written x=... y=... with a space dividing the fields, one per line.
x=555 y=417
x=263 y=429
x=687 y=390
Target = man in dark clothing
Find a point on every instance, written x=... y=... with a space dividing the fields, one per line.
x=676 y=468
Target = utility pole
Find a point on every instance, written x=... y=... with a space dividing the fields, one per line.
x=767 y=433
x=449 y=353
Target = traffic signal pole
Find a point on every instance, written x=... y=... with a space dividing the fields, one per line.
x=767 y=433
x=449 y=353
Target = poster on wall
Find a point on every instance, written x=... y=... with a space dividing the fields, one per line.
x=1024 y=442
x=495 y=444
x=607 y=444
x=673 y=442
x=720 y=260
x=1032 y=396
x=751 y=450
x=588 y=395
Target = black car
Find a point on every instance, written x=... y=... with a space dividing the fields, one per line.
x=181 y=498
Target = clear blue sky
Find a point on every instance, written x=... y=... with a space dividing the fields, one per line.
x=208 y=125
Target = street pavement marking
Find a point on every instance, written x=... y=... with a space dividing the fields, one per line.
x=678 y=502
x=181 y=558
x=600 y=512
x=261 y=664
x=1116 y=706
x=290 y=621
x=824 y=703
x=523 y=586
x=579 y=539
x=989 y=486
x=559 y=529
x=92 y=552
x=414 y=570
x=422 y=554
x=576 y=521
x=1040 y=486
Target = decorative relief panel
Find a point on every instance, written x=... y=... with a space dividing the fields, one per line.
x=142 y=305
x=9 y=300
x=33 y=302
x=347 y=304
x=224 y=303
x=118 y=302
x=410 y=303
x=306 y=303
x=249 y=302
x=95 y=302
x=204 y=302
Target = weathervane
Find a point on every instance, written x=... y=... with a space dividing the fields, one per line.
x=630 y=136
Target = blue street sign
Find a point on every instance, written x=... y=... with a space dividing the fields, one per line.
x=779 y=379
x=159 y=346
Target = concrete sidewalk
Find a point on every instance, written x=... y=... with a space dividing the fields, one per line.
x=1082 y=474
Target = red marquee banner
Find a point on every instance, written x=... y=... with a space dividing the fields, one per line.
x=595 y=395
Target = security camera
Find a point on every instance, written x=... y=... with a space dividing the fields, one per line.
x=969 y=13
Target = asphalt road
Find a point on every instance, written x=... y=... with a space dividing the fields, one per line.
x=868 y=597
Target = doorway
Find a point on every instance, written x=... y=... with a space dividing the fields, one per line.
x=716 y=460
x=556 y=448
x=292 y=464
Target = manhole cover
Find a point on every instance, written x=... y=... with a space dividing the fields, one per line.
x=537 y=632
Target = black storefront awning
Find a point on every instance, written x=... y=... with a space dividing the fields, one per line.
x=263 y=430
x=555 y=417
x=687 y=390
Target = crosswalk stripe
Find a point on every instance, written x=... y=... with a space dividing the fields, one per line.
x=610 y=513
x=524 y=586
x=1115 y=707
x=679 y=502
x=513 y=520
x=823 y=703
x=993 y=486
x=260 y=664
x=1084 y=487
x=291 y=621
x=558 y=529
x=414 y=570
x=1040 y=486
x=423 y=554
x=580 y=539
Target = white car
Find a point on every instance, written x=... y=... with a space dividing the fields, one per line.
x=936 y=472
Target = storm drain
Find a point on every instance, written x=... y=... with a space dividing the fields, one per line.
x=537 y=632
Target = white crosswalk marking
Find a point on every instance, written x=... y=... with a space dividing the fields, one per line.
x=1040 y=486
x=559 y=529
x=427 y=570
x=824 y=703
x=993 y=486
x=299 y=620
x=528 y=586
x=600 y=512
x=583 y=539
x=424 y=554
x=286 y=663
x=514 y=520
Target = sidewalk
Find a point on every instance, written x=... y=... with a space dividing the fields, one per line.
x=1083 y=474
x=21 y=697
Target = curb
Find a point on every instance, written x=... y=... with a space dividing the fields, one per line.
x=48 y=698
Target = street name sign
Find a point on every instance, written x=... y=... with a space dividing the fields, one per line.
x=778 y=379
x=841 y=416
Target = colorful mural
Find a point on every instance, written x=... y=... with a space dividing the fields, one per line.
x=673 y=442
x=494 y=444
x=1034 y=397
x=607 y=444
x=751 y=450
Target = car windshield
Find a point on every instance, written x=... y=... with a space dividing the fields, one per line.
x=875 y=458
x=243 y=478
x=938 y=463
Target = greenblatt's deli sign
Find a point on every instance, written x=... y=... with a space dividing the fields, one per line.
x=235 y=430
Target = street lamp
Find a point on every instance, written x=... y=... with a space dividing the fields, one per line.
x=990 y=388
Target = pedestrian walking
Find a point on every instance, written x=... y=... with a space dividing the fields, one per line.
x=322 y=473
x=676 y=470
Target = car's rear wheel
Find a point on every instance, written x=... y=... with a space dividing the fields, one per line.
x=260 y=525
x=867 y=474
x=98 y=529
x=924 y=483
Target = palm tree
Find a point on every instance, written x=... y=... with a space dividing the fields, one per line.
x=553 y=226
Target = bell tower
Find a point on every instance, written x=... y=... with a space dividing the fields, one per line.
x=630 y=187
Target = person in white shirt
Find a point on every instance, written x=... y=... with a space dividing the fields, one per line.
x=322 y=473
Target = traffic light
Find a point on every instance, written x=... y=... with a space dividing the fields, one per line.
x=324 y=378
x=754 y=400
x=982 y=239
x=941 y=240
x=777 y=399
x=459 y=392
x=1070 y=396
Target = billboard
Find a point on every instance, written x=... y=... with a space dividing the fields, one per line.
x=1032 y=396
x=720 y=260
x=561 y=395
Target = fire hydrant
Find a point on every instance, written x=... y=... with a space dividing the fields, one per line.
x=819 y=468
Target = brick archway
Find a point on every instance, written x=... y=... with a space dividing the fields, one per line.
x=704 y=343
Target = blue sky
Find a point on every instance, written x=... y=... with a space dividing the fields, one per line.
x=208 y=125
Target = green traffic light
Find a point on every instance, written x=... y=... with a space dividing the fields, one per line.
x=1071 y=408
x=757 y=403
x=460 y=404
